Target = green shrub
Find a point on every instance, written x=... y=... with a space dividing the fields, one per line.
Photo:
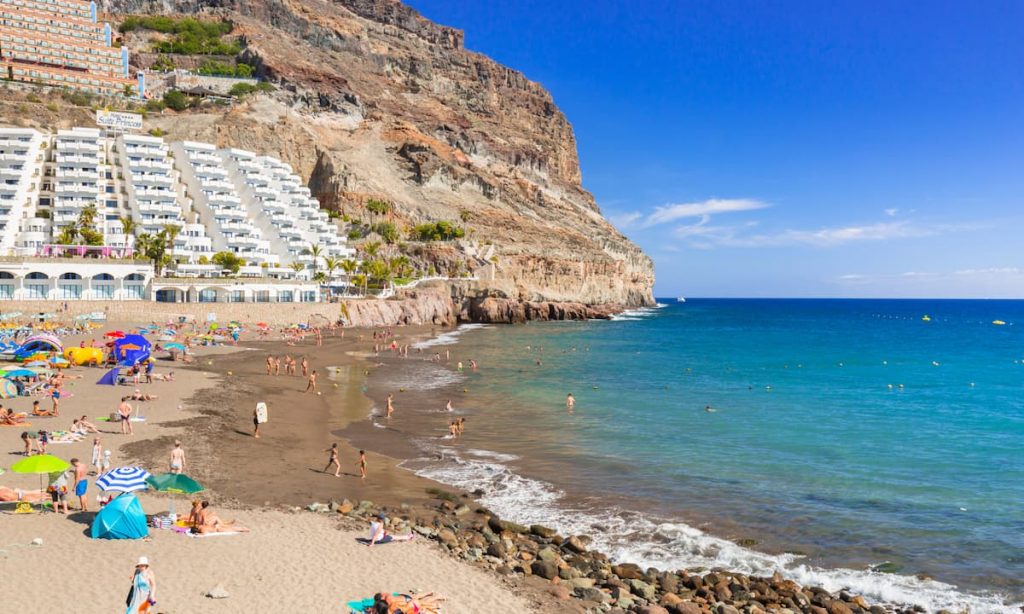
x=155 y=105
x=176 y=100
x=240 y=90
x=190 y=36
x=163 y=64
x=437 y=231
x=387 y=231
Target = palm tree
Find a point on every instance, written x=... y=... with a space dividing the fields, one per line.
x=298 y=267
x=360 y=280
x=332 y=264
x=371 y=249
x=68 y=234
x=170 y=233
x=313 y=250
x=128 y=227
x=87 y=216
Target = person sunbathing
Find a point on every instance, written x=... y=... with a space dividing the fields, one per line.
x=7 y=416
x=169 y=377
x=211 y=523
x=10 y=495
x=86 y=426
x=141 y=396
x=386 y=603
x=379 y=535
x=37 y=410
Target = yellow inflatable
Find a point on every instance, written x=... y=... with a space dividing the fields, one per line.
x=84 y=356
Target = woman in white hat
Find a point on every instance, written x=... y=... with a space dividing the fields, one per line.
x=143 y=592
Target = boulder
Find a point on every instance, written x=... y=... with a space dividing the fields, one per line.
x=651 y=609
x=542 y=531
x=643 y=589
x=218 y=592
x=446 y=537
x=686 y=607
x=575 y=544
x=545 y=569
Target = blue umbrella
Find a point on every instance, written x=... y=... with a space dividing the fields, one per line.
x=123 y=479
x=20 y=373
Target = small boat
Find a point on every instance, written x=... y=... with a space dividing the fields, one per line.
x=680 y=300
x=926 y=319
x=999 y=322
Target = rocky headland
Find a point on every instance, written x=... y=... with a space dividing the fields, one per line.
x=373 y=102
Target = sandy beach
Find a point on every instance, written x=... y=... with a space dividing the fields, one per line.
x=292 y=559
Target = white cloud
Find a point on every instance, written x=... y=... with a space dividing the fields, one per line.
x=703 y=209
x=625 y=220
x=892 y=212
x=821 y=237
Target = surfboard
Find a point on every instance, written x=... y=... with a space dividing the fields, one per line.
x=261 y=412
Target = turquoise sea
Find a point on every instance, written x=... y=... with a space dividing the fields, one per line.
x=850 y=443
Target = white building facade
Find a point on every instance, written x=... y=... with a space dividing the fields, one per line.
x=112 y=189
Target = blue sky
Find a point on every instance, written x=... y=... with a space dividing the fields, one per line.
x=789 y=148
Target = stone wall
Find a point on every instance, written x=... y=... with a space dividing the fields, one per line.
x=275 y=314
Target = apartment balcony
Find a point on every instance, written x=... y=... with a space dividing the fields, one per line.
x=8 y=159
x=199 y=157
x=152 y=179
x=159 y=164
x=78 y=189
x=78 y=159
x=164 y=194
x=76 y=173
x=10 y=172
x=78 y=146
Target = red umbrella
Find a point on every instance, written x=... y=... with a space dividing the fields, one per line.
x=115 y=334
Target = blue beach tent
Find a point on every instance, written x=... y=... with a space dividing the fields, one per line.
x=131 y=350
x=122 y=518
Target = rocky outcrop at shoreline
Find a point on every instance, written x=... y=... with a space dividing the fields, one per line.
x=439 y=304
x=587 y=579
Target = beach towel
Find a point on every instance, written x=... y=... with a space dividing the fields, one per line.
x=218 y=534
x=360 y=606
x=380 y=542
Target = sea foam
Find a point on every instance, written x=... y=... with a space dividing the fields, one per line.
x=631 y=536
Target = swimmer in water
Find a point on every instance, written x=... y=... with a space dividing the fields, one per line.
x=709 y=409
x=449 y=407
x=570 y=402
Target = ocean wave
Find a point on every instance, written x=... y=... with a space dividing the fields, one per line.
x=447 y=338
x=640 y=313
x=630 y=536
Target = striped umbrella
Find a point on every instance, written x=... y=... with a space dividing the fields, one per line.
x=123 y=479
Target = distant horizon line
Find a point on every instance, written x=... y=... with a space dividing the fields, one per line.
x=837 y=298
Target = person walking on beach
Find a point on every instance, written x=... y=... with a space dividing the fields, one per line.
x=270 y=365
x=97 y=455
x=55 y=397
x=311 y=384
x=391 y=406
x=362 y=464
x=177 y=462
x=333 y=460
x=81 y=483
x=142 y=595
x=124 y=410
x=256 y=423
x=305 y=367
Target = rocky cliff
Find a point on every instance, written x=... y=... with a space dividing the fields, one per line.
x=375 y=101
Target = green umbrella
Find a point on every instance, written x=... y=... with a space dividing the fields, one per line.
x=177 y=483
x=41 y=463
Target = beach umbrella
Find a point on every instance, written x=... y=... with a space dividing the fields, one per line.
x=41 y=464
x=174 y=483
x=175 y=346
x=7 y=389
x=37 y=363
x=115 y=334
x=123 y=479
x=177 y=483
x=20 y=373
x=59 y=361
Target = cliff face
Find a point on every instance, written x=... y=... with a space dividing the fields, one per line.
x=375 y=101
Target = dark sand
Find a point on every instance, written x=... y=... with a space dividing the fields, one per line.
x=224 y=456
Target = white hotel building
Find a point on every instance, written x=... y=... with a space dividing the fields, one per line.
x=219 y=200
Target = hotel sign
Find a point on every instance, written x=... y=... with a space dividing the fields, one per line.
x=119 y=121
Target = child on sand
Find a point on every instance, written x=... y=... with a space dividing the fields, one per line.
x=362 y=464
